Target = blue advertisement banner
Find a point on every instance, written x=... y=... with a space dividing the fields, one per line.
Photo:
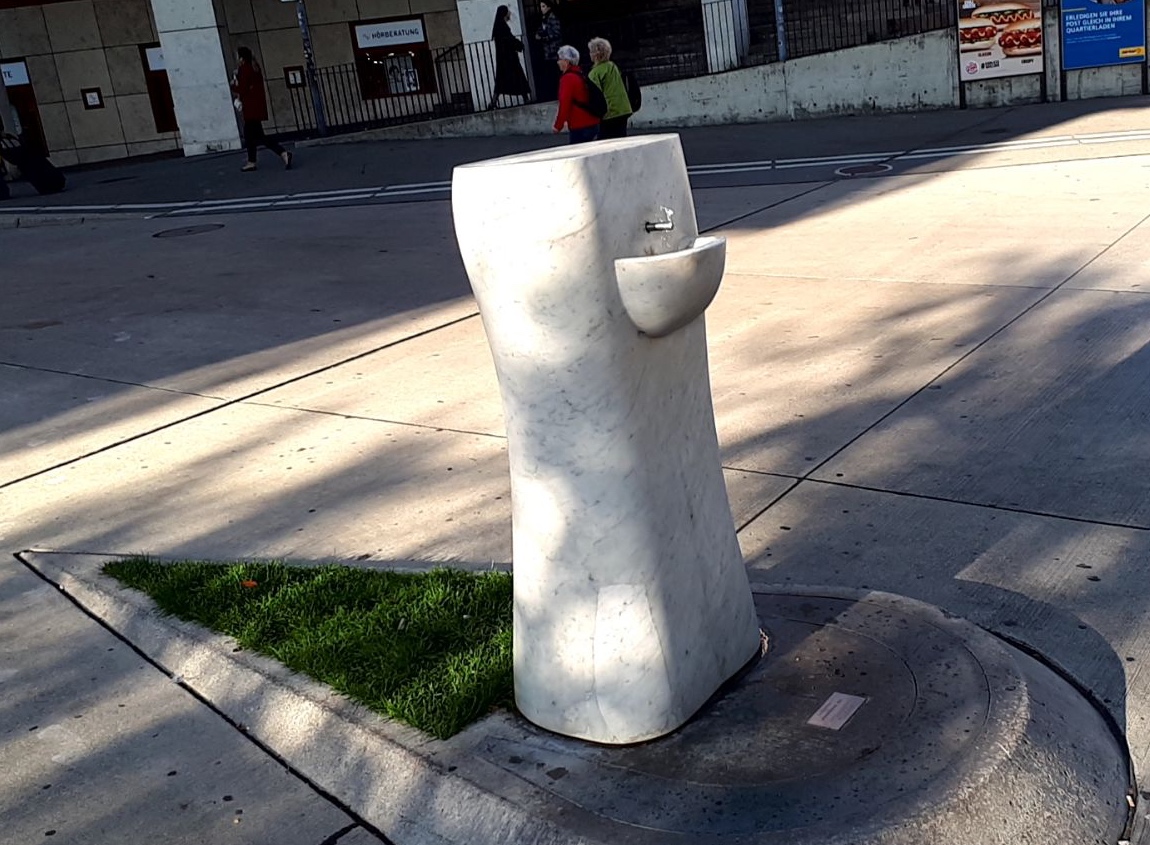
x=1096 y=33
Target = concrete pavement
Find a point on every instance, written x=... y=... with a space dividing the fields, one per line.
x=345 y=171
x=930 y=383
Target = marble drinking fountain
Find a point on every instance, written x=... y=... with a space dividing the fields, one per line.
x=869 y=719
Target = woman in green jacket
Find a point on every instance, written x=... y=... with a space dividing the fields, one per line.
x=607 y=76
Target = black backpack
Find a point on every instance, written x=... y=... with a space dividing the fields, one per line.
x=596 y=103
x=634 y=92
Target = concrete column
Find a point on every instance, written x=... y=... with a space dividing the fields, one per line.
x=728 y=32
x=475 y=21
x=199 y=75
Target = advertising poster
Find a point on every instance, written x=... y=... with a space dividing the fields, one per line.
x=1096 y=33
x=999 y=39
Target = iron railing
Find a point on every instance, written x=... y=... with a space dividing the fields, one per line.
x=810 y=27
x=400 y=88
x=677 y=40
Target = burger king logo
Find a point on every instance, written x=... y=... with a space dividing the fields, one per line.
x=972 y=68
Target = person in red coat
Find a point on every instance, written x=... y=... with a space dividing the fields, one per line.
x=252 y=103
x=583 y=125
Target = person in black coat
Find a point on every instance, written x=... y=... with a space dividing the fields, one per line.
x=509 y=76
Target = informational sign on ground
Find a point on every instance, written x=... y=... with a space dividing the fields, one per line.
x=999 y=39
x=1096 y=33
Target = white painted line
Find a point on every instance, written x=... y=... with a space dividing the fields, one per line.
x=817 y=159
x=148 y=206
x=67 y=208
x=838 y=162
x=338 y=193
x=733 y=165
x=1118 y=136
x=390 y=193
x=1086 y=139
x=391 y=188
x=1035 y=143
x=220 y=209
x=987 y=149
x=319 y=200
x=271 y=198
x=748 y=169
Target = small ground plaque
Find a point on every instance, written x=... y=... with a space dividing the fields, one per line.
x=836 y=711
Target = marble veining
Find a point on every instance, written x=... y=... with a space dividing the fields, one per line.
x=631 y=602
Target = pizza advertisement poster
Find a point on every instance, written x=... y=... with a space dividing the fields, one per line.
x=998 y=39
x=1096 y=33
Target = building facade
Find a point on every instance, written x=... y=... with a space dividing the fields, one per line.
x=93 y=80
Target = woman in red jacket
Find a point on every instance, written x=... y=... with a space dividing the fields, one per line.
x=252 y=103
x=583 y=125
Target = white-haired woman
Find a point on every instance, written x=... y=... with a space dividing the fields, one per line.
x=582 y=124
x=609 y=78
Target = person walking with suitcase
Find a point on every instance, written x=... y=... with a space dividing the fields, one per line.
x=252 y=104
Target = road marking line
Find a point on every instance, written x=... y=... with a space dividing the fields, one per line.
x=338 y=193
x=442 y=184
x=146 y=206
x=888 y=154
x=271 y=198
x=390 y=193
x=316 y=200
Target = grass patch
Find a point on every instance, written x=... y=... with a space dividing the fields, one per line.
x=430 y=649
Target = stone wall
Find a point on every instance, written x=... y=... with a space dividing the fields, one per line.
x=85 y=44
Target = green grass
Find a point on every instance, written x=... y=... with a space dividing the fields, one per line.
x=429 y=649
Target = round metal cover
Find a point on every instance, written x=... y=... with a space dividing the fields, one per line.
x=863 y=169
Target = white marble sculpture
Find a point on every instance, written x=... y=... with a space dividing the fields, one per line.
x=631 y=602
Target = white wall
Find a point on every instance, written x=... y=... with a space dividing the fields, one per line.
x=910 y=74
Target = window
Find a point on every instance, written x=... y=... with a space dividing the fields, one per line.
x=392 y=58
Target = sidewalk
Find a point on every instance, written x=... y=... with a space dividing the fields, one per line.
x=343 y=164
x=931 y=383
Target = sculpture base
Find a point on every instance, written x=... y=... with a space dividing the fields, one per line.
x=873 y=720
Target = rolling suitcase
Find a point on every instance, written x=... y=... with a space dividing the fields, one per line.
x=40 y=173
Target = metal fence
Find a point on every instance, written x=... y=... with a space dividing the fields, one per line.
x=401 y=88
x=809 y=27
x=679 y=40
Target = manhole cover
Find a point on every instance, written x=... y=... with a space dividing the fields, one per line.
x=185 y=231
x=941 y=729
x=41 y=324
x=862 y=169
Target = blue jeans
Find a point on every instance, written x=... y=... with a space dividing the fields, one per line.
x=582 y=136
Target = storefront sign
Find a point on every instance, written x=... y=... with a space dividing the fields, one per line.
x=370 y=35
x=999 y=39
x=15 y=73
x=1110 y=32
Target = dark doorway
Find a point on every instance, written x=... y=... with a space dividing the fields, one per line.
x=658 y=40
x=23 y=99
x=159 y=89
